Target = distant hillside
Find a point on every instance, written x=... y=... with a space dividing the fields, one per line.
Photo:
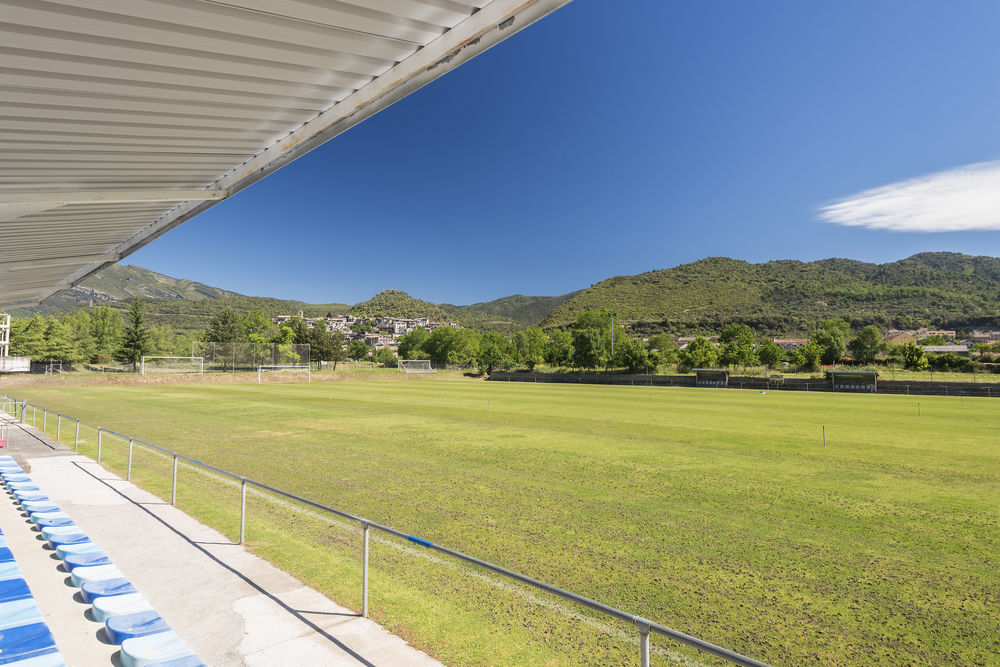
x=780 y=297
x=399 y=303
x=929 y=289
x=193 y=316
x=120 y=282
x=525 y=310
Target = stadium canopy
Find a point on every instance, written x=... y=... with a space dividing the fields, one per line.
x=122 y=119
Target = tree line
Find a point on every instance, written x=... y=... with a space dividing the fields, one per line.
x=100 y=336
x=595 y=340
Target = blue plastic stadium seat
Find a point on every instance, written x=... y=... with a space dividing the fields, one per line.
x=14 y=589
x=128 y=626
x=19 y=612
x=25 y=641
x=45 y=506
x=22 y=486
x=187 y=661
x=86 y=559
x=10 y=570
x=83 y=575
x=82 y=547
x=96 y=589
x=52 y=521
x=114 y=605
x=31 y=497
x=6 y=555
x=57 y=541
x=47 y=660
x=10 y=477
x=60 y=531
x=40 y=508
x=160 y=649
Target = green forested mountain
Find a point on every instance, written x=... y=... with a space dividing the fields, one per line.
x=508 y=314
x=780 y=297
x=120 y=282
x=394 y=302
x=928 y=289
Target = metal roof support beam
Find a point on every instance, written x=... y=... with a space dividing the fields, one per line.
x=108 y=197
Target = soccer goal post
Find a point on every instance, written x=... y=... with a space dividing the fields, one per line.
x=189 y=365
x=293 y=368
x=415 y=366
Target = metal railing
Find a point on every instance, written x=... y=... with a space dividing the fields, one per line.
x=644 y=626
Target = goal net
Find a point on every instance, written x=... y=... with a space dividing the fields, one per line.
x=294 y=368
x=415 y=366
x=190 y=365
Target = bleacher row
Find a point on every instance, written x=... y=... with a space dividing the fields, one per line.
x=129 y=620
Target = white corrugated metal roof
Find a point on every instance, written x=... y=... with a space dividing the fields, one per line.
x=121 y=119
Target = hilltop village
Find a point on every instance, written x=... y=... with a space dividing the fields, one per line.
x=376 y=332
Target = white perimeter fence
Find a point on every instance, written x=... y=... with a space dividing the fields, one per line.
x=20 y=408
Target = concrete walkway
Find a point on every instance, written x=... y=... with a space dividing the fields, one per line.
x=231 y=607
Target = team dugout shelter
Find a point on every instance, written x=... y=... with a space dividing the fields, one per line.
x=122 y=119
x=711 y=377
x=857 y=381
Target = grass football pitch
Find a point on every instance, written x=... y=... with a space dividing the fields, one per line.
x=720 y=513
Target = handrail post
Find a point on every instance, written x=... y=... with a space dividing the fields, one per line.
x=364 y=572
x=100 y=433
x=173 y=486
x=24 y=406
x=58 y=426
x=45 y=419
x=130 y=444
x=76 y=437
x=243 y=509
x=34 y=411
x=644 y=627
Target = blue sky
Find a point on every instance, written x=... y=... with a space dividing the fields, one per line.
x=614 y=138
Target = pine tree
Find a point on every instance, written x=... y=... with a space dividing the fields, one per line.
x=135 y=342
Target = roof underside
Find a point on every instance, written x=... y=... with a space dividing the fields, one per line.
x=121 y=119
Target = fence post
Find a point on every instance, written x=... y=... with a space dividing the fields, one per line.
x=643 y=640
x=243 y=509
x=58 y=425
x=76 y=437
x=100 y=433
x=34 y=411
x=45 y=419
x=173 y=486
x=364 y=573
x=24 y=406
x=129 y=475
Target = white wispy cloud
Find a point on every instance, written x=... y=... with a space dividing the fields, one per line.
x=956 y=200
